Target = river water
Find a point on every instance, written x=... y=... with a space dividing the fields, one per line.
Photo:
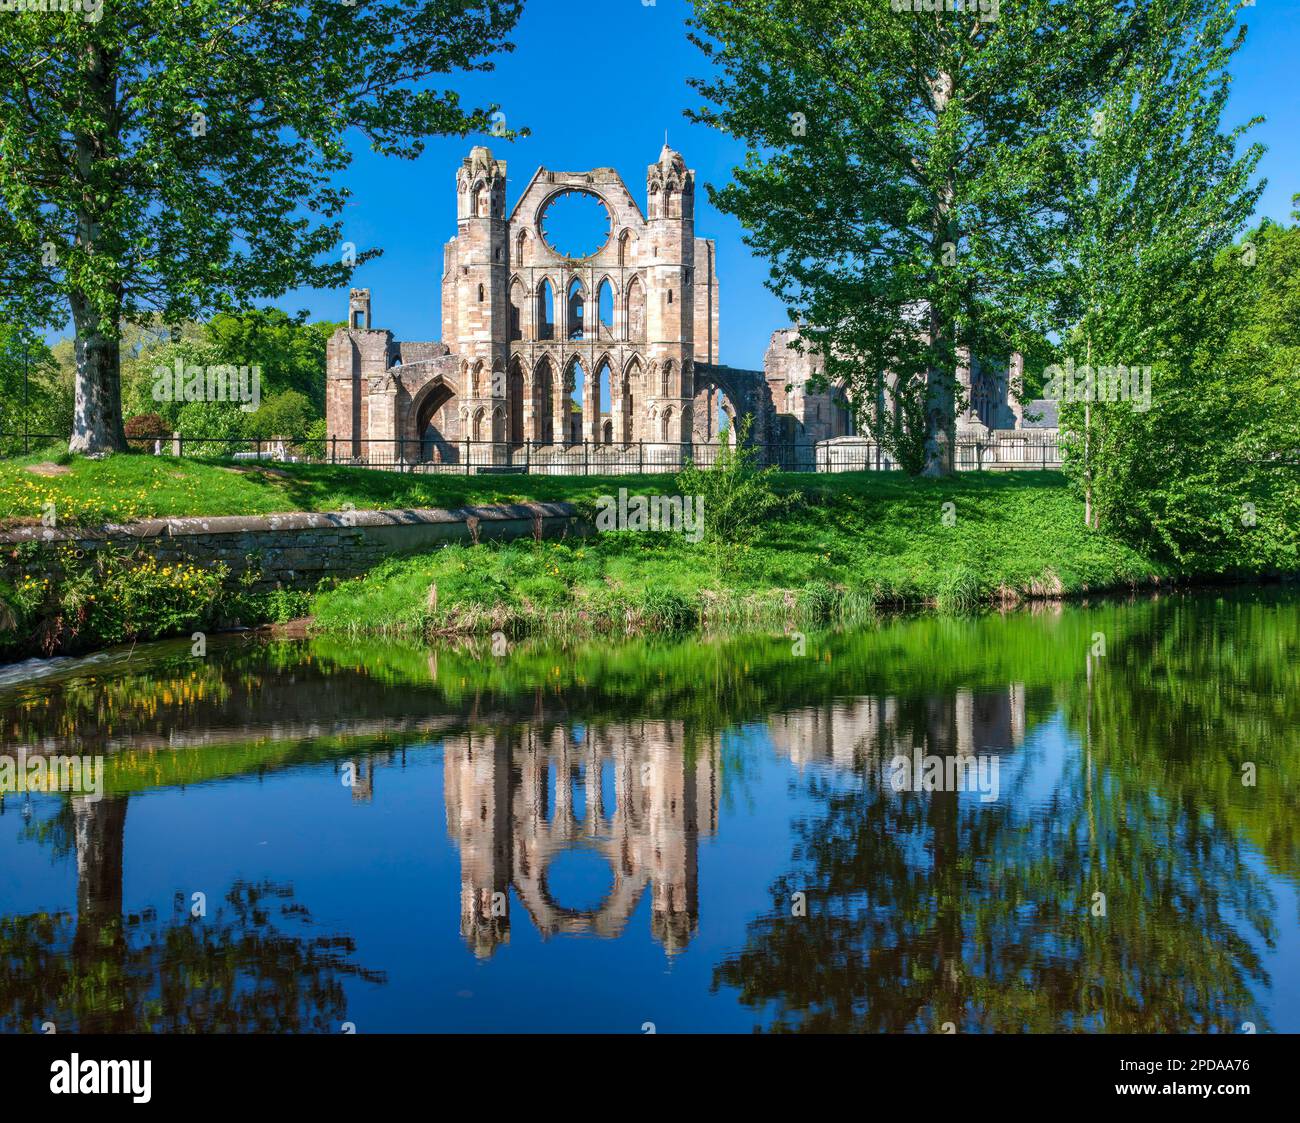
x=1079 y=818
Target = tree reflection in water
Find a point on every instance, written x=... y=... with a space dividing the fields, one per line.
x=253 y=964
x=936 y=912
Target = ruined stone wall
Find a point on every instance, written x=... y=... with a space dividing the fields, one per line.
x=297 y=550
x=513 y=376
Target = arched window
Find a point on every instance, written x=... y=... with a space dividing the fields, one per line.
x=516 y=309
x=604 y=402
x=515 y=403
x=544 y=402
x=577 y=386
x=577 y=309
x=605 y=308
x=635 y=310
x=480 y=293
x=631 y=391
x=545 y=311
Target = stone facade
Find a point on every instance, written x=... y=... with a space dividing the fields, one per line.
x=511 y=379
x=507 y=371
x=519 y=797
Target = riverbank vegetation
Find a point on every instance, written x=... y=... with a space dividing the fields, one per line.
x=784 y=549
x=830 y=548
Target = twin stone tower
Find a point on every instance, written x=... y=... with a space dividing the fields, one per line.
x=617 y=348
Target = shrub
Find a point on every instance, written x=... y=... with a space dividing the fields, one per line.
x=113 y=597
x=142 y=428
x=738 y=495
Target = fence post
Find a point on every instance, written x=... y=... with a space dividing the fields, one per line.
x=586 y=465
x=334 y=449
x=640 y=457
x=259 y=450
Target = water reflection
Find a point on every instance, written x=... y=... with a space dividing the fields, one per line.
x=721 y=810
x=625 y=791
x=254 y=964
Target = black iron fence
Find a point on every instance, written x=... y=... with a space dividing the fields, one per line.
x=1001 y=451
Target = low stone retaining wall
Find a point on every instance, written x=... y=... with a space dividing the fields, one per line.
x=297 y=550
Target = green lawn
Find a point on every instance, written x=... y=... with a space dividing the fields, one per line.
x=846 y=545
x=136 y=486
x=850 y=544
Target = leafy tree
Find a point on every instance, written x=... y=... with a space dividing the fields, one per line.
x=904 y=176
x=35 y=398
x=226 y=424
x=1158 y=189
x=173 y=160
x=287 y=414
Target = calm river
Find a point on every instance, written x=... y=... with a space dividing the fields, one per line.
x=1079 y=818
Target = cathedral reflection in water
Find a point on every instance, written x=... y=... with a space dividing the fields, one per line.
x=520 y=796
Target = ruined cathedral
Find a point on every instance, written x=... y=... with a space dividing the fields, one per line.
x=544 y=352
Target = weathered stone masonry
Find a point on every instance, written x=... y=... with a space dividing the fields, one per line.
x=504 y=375
x=297 y=550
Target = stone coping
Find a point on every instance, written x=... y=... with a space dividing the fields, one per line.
x=292 y=521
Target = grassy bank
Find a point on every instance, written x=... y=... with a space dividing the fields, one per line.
x=839 y=548
x=136 y=486
x=824 y=548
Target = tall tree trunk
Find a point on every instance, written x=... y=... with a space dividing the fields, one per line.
x=97 y=417
x=939 y=378
x=938 y=409
x=1087 y=449
x=99 y=946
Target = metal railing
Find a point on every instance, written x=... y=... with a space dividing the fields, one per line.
x=1002 y=451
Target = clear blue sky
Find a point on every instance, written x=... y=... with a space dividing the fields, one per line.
x=614 y=113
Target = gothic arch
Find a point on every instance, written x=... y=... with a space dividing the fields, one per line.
x=605 y=328
x=665 y=425
x=523 y=248
x=433 y=428
x=518 y=308
x=627 y=242
x=631 y=390
x=545 y=322
x=515 y=402
x=634 y=326
x=569 y=388
x=543 y=391
x=604 y=385
x=480 y=199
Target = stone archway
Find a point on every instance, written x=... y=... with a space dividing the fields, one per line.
x=434 y=413
x=515 y=404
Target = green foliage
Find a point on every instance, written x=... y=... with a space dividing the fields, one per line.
x=215 y=420
x=1209 y=476
x=854 y=543
x=904 y=176
x=28 y=366
x=172 y=160
x=738 y=495
x=65 y=602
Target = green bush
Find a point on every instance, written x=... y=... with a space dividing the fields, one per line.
x=114 y=597
x=739 y=496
